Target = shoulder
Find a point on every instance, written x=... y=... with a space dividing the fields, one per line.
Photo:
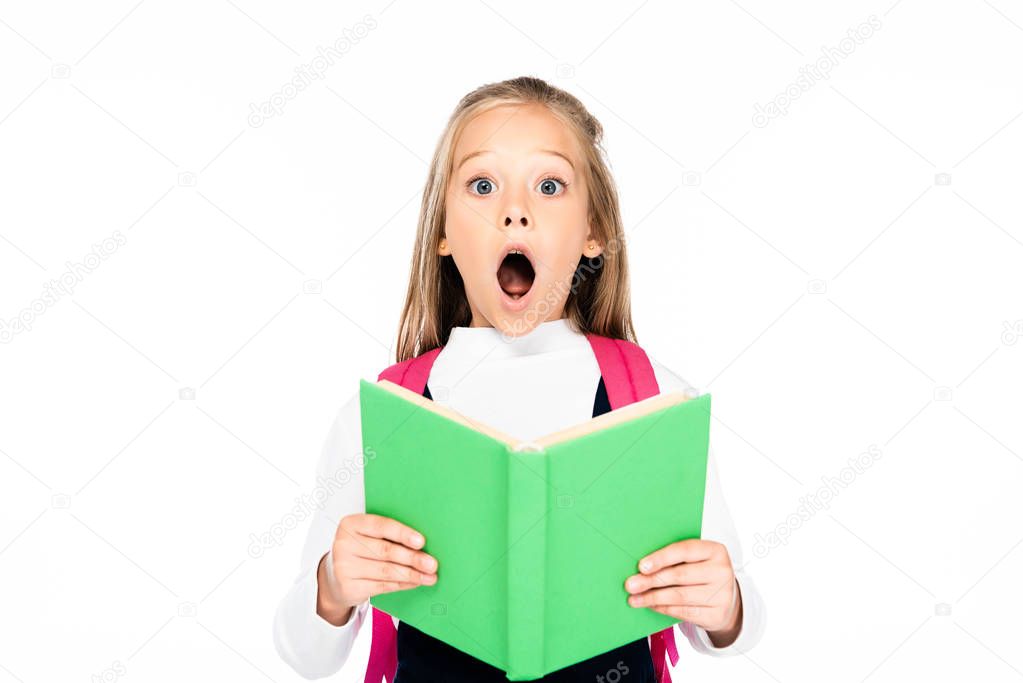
x=668 y=379
x=420 y=364
x=345 y=435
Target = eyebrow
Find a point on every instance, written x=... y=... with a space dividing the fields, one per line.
x=488 y=151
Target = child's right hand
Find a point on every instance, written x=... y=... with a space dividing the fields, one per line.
x=371 y=554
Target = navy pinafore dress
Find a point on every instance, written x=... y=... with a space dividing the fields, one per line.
x=425 y=659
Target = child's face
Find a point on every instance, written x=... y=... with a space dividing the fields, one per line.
x=512 y=188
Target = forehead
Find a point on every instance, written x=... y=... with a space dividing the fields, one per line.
x=516 y=131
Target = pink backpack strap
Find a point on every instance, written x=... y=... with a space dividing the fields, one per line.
x=661 y=643
x=629 y=377
x=627 y=372
x=413 y=372
x=383 y=650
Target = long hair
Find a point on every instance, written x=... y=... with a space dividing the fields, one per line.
x=598 y=301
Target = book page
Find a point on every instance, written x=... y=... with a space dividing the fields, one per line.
x=633 y=410
x=630 y=412
x=449 y=413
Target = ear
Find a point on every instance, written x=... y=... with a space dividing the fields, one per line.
x=443 y=249
x=592 y=248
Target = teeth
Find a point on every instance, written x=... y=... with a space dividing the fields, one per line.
x=514 y=251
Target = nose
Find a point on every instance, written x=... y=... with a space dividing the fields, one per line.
x=515 y=212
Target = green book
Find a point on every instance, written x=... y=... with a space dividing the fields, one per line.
x=534 y=540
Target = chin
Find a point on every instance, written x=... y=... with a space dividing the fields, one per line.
x=512 y=325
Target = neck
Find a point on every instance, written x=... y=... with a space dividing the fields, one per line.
x=488 y=341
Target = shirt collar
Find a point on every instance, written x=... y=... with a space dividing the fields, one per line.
x=490 y=342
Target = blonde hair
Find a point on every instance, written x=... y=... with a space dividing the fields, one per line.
x=598 y=302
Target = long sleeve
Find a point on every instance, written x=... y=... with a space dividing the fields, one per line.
x=312 y=646
x=472 y=363
x=718 y=526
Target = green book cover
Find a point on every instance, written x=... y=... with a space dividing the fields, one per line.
x=534 y=540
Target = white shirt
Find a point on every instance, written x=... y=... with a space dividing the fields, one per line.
x=524 y=386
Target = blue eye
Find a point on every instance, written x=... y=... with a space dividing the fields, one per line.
x=549 y=186
x=484 y=186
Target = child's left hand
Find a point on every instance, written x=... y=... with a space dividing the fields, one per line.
x=691 y=580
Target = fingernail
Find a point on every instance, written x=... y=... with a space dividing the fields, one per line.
x=645 y=565
x=417 y=539
x=631 y=584
x=431 y=563
x=430 y=579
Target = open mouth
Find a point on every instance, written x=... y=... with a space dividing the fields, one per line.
x=515 y=275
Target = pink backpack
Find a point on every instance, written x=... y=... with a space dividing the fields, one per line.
x=628 y=377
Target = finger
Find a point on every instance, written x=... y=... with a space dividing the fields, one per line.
x=381 y=527
x=728 y=588
x=361 y=569
x=694 y=614
x=391 y=529
x=366 y=589
x=694 y=596
x=380 y=549
x=690 y=550
x=675 y=575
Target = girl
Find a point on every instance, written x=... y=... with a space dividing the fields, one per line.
x=520 y=252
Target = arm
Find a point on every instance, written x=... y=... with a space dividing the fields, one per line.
x=718 y=526
x=310 y=632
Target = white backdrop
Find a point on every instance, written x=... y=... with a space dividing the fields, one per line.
x=824 y=227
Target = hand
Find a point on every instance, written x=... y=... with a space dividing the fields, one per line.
x=691 y=580
x=371 y=554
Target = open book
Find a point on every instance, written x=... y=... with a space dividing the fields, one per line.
x=534 y=540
